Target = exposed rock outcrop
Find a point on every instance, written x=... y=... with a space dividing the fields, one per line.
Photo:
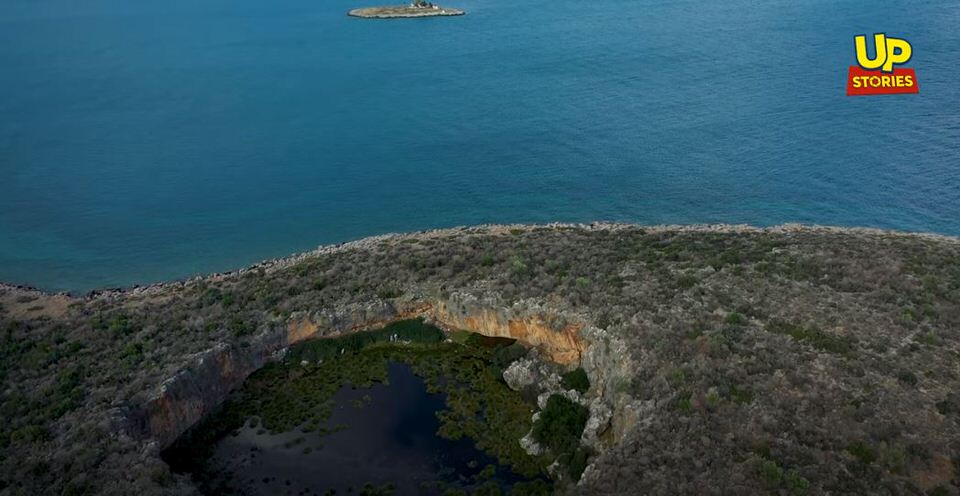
x=403 y=11
x=199 y=388
x=558 y=340
x=196 y=390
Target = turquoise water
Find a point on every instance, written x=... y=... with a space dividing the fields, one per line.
x=142 y=141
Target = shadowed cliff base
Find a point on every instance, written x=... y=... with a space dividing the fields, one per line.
x=720 y=358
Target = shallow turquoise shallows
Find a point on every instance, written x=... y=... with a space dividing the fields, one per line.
x=143 y=141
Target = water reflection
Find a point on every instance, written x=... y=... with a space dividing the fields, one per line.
x=383 y=437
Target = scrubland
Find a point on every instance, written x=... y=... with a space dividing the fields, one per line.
x=790 y=360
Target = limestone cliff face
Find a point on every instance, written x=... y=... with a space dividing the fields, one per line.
x=302 y=326
x=611 y=369
x=558 y=341
x=200 y=387
x=197 y=389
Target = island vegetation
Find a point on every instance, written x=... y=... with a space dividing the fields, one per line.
x=416 y=8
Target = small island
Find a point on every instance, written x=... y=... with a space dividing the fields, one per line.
x=417 y=8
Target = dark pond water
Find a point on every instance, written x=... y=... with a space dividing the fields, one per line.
x=384 y=435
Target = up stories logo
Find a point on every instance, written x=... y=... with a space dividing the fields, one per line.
x=878 y=75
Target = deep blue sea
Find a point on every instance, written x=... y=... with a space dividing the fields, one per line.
x=143 y=141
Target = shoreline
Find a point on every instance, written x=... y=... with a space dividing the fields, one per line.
x=666 y=322
x=367 y=242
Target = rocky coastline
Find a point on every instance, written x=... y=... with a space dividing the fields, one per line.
x=700 y=343
x=404 y=11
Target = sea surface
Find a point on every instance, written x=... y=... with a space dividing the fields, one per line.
x=143 y=141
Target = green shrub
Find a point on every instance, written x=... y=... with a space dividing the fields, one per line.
x=531 y=488
x=518 y=267
x=821 y=340
x=908 y=377
x=240 y=327
x=795 y=482
x=133 y=350
x=863 y=452
x=505 y=355
x=559 y=428
x=560 y=424
x=385 y=293
x=577 y=463
x=771 y=472
x=735 y=319
x=740 y=396
x=930 y=339
x=576 y=379
x=121 y=325
x=776 y=476
x=713 y=399
x=687 y=281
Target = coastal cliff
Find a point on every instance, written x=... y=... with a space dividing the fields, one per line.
x=720 y=358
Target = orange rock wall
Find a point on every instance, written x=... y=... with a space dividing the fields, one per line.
x=562 y=345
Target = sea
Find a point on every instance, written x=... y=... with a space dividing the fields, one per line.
x=149 y=141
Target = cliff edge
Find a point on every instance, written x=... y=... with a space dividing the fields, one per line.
x=721 y=359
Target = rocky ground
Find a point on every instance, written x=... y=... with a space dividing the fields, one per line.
x=722 y=359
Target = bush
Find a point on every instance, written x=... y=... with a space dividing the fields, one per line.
x=775 y=476
x=577 y=463
x=576 y=379
x=560 y=425
x=385 y=293
x=814 y=337
x=505 y=355
x=771 y=472
x=795 y=482
x=687 y=281
x=239 y=327
x=121 y=325
x=518 y=267
x=863 y=452
x=559 y=428
x=907 y=377
x=735 y=319
x=740 y=396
